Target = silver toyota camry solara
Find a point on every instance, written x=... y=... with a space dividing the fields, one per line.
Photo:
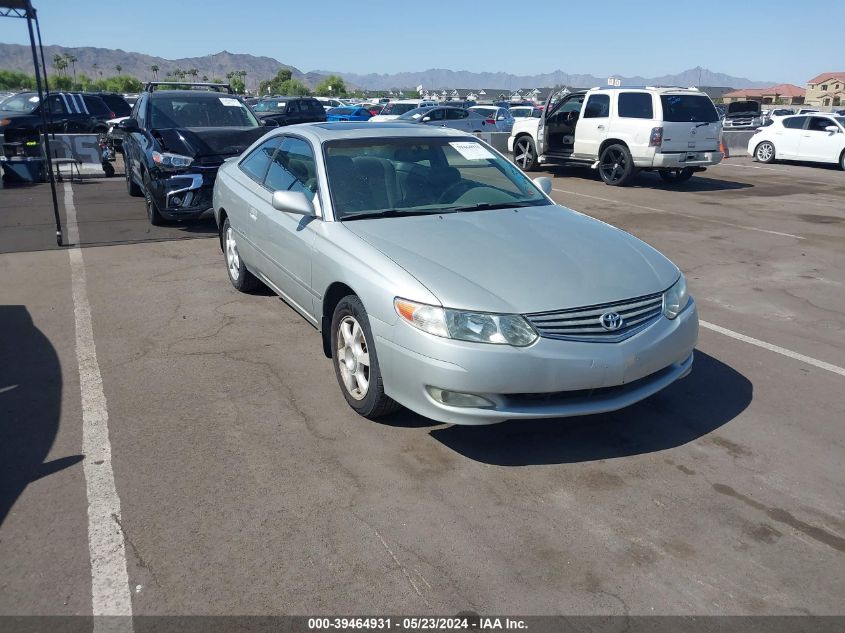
x=444 y=280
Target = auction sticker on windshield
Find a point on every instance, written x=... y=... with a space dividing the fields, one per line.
x=228 y=101
x=472 y=151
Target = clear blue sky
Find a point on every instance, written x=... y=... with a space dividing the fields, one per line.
x=781 y=41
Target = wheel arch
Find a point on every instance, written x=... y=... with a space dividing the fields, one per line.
x=612 y=141
x=336 y=291
x=221 y=220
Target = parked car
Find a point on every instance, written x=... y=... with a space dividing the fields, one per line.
x=674 y=131
x=174 y=143
x=526 y=112
x=395 y=109
x=329 y=103
x=456 y=118
x=807 y=110
x=818 y=137
x=116 y=103
x=290 y=110
x=415 y=252
x=500 y=118
x=348 y=113
x=778 y=113
x=743 y=115
x=68 y=112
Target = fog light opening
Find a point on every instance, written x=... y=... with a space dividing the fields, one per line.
x=458 y=399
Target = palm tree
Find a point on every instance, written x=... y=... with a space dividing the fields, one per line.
x=118 y=68
x=155 y=69
x=72 y=59
x=59 y=63
x=193 y=72
x=205 y=77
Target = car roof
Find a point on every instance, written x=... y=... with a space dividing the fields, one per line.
x=158 y=94
x=349 y=130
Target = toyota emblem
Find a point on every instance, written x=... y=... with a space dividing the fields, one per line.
x=611 y=321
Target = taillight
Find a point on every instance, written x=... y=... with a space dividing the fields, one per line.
x=490 y=121
x=656 y=138
x=112 y=115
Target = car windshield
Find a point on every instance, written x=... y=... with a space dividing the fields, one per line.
x=270 y=106
x=688 y=109
x=21 y=103
x=189 y=111
x=381 y=177
x=415 y=114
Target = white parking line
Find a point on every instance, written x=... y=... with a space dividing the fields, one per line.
x=747 y=166
x=774 y=348
x=110 y=594
x=685 y=215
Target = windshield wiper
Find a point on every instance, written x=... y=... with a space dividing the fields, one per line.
x=394 y=213
x=488 y=206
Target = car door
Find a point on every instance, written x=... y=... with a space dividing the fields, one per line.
x=459 y=119
x=591 y=129
x=818 y=144
x=58 y=115
x=787 y=138
x=287 y=239
x=504 y=120
x=135 y=144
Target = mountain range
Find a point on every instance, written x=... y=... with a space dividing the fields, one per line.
x=96 y=62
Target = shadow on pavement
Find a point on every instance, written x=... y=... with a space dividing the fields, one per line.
x=711 y=396
x=651 y=180
x=30 y=404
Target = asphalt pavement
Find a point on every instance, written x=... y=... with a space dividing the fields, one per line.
x=247 y=486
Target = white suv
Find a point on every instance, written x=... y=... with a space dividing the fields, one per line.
x=674 y=131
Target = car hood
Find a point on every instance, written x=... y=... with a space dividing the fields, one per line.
x=209 y=142
x=743 y=108
x=519 y=260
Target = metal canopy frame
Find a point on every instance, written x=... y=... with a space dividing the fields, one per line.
x=24 y=9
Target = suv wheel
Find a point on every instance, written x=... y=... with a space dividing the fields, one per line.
x=525 y=154
x=240 y=277
x=153 y=214
x=765 y=152
x=676 y=175
x=355 y=361
x=131 y=187
x=616 y=167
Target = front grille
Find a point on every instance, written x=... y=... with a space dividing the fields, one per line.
x=584 y=324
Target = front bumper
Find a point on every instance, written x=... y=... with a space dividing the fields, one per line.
x=680 y=160
x=184 y=195
x=548 y=379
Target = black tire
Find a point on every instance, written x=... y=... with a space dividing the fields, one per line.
x=842 y=161
x=525 y=153
x=131 y=187
x=108 y=169
x=153 y=214
x=764 y=152
x=373 y=403
x=677 y=175
x=239 y=275
x=616 y=166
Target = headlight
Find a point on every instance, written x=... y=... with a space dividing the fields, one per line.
x=166 y=160
x=675 y=299
x=479 y=327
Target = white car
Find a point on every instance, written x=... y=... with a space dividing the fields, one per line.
x=619 y=131
x=525 y=112
x=500 y=117
x=395 y=109
x=817 y=138
x=329 y=103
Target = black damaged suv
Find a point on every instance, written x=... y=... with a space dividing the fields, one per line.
x=174 y=142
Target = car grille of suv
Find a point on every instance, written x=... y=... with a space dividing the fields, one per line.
x=585 y=324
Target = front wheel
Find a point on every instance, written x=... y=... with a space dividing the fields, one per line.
x=525 y=153
x=355 y=360
x=677 y=175
x=765 y=152
x=240 y=277
x=131 y=188
x=153 y=214
x=616 y=166
x=842 y=161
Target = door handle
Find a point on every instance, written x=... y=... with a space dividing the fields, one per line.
x=253 y=213
x=600 y=127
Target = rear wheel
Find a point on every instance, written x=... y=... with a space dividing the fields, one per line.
x=842 y=161
x=355 y=361
x=765 y=152
x=677 y=175
x=525 y=154
x=616 y=167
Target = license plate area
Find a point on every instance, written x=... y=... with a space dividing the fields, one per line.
x=692 y=157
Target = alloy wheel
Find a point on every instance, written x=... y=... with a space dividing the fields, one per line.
x=233 y=260
x=523 y=153
x=353 y=357
x=765 y=152
x=613 y=163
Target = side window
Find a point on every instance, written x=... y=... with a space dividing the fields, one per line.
x=255 y=165
x=293 y=107
x=139 y=112
x=293 y=168
x=316 y=107
x=455 y=113
x=598 y=107
x=635 y=105
x=819 y=123
x=56 y=105
x=437 y=115
x=794 y=122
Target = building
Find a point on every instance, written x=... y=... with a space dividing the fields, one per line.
x=827 y=89
x=782 y=94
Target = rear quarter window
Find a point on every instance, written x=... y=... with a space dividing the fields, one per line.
x=635 y=105
x=794 y=122
x=688 y=109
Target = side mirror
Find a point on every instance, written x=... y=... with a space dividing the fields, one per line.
x=269 y=123
x=832 y=128
x=545 y=184
x=501 y=117
x=128 y=125
x=293 y=202
x=426 y=119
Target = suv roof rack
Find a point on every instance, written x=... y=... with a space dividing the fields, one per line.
x=152 y=85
